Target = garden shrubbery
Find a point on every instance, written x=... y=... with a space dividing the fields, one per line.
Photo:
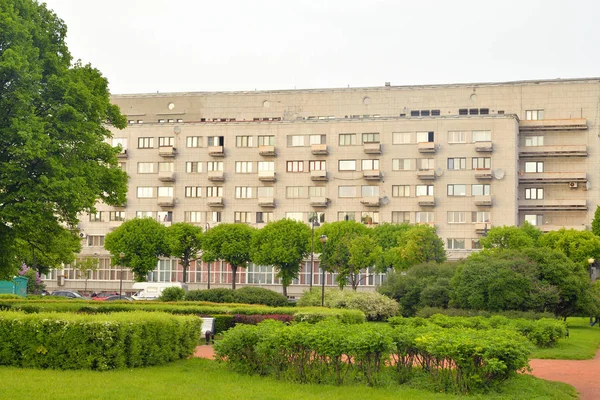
x=245 y=295
x=375 y=306
x=98 y=342
x=172 y=294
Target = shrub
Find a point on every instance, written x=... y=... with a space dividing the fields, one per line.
x=375 y=306
x=255 y=319
x=427 y=312
x=172 y=294
x=318 y=315
x=4 y=296
x=218 y=295
x=245 y=295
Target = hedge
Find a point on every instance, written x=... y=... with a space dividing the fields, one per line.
x=245 y=295
x=376 y=306
x=96 y=342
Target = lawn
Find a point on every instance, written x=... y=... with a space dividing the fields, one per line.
x=199 y=378
x=582 y=343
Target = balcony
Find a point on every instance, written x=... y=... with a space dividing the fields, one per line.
x=426 y=174
x=426 y=147
x=371 y=201
x=167 y=151
x=266 y=202
x=215 y=201
x=484 y=173
x=549 y=228
x=216 y=151
x=216 y=176
x=553 y=205
x=166 y=223
x=554 y=151
x=570 y=124
x=483 y=201
x=553 y=177
x=427 y=201
x=372 y=175
x=123 y=154
x=319 y=201
x=166 y=176
x=268 y=151
x=372 y=148
x=318 y=175
x=266 y=176
x=482 y=227
x=319 y=149
x=166 y=201
x=484 y=147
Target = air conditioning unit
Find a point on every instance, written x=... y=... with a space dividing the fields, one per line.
x=572 y=184
x=82 y=235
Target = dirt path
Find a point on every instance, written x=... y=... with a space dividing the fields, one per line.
x=204 y=351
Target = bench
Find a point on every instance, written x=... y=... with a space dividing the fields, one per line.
x=208 y=329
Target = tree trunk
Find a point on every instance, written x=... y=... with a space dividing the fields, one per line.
x=185 y=269
x=233 y=276
x=284 y=290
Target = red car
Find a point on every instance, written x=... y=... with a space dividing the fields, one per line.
x=102 y=296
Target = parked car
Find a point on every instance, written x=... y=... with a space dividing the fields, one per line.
x=102 y=296
x=117 y=297
x=67 y=293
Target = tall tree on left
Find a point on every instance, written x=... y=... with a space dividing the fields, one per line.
x=55 y=161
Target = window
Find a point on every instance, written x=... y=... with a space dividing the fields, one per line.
x=347 y=165
x=165 y=216
x=473 y=111
x=424 y=217
x=214 y=166
x=296 y=192
x=166 y=141
x=161 y=121
x=346 y=216
x=116 y=216
x=463 y=111
x=264 y=191
x=194 y=216
x=425 y=164
x=140 y=121
x=179 y=120
x=534 y=193
x=456 y=244
x=266 y=166
x=192 y=167
x=296 y=140
x=316 y=216
x=214 y=216
x=400 y=217
x=244 y=141
x=347 y=191
x=242 y=216
x=145 y=143
x=424 y=190
x=370 y=165
x=533 y=115
x=145 y=168
x=165 y=191
x=214 y=191
x=457 y=163
x=296 y=216
x=266 y=140
x=402 y=164
x=244 y=192
x=166 y=167
x=457 y=190
x=534 y=166
x=402 y=138
x=369 y=191
x=481 y=163
x=480 y=216
x=145 y=192
x=424 y=137
x=400 y=191
x=534 y=219
x=476 y=244
x=97 y=217
x=243 y=167
x=457 y=217
x=369 y=217
x=294 y=166
x=370 y=137
x=122 y=166
x=534 y=141
x=457 y=137
x=482 y=136
x=94 y=240
x=120 y=142
x=144 y=214
x=316 y=165
x=264 y=217
x=317 y=191
x=317 y=139
x=193 y=191
x=347 y=139
x=480 y=190
x=216 y=141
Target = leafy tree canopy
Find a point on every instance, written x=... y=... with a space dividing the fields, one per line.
x=185 y=242
x=364 y=253
x=596 y=222
x=511 y=237
x=337 y=254
x=419 y=244
x=579 y=246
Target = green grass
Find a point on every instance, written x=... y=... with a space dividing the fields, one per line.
x=199 y=378
x=582 y=343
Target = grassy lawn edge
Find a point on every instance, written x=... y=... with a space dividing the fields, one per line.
x=582 y=343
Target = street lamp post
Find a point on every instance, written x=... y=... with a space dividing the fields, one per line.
x=323 y=240
x=121 y=256
x=591 y=261
x=314 y=223
x=206 y=229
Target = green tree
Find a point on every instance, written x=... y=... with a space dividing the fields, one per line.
x=142 y=241
x=364 y=253
x=44 y=250
x=419 y=244
x=230 y=243
x=55 y=161
x=596 y=222
x=185 y=242
x=85 y=267
x=511 y=237
x=282 y=244
x=579 y=246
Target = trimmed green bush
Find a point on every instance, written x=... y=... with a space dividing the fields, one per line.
x=172 y=294
x=97 y=342
x=10 y=296
x=245 y=295
x=427 y=312
x=312 y=316
x=376 y=307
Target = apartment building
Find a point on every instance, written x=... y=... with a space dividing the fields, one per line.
x=460 y=157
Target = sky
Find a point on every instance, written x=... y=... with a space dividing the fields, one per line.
x=148 y=46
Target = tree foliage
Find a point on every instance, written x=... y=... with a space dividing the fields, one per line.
x=596 y=222
x=579 y=246
x=185 y=243
x=511 y=237
x=419 y=244
x=54 y=158
x=230 y=243
x=142 y=241
x=364 y=253
x=282 y=244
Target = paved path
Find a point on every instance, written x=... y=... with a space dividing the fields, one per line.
x=204 y=351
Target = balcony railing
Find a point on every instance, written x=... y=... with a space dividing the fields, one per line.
x=216 y=176
x=216 y=151
x=319 y=201
x=370 y=201
x=266 y=202
x=266 y=176
x=428 y=201
x=318 y=175
x=167 y=151
x=426 y=174
x=570 y=124
x=426 y=147
x=553 y=177
x=215 y=201
x=484 y=147
x=553 y=205
x=166 y=176
x=554 y=151
x=319 y=149
x=373 y=174
x=167 y=201
x=483 y=200
x=372 y=148
x=267 y=150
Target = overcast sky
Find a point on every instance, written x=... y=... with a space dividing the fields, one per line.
x=222 y=45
